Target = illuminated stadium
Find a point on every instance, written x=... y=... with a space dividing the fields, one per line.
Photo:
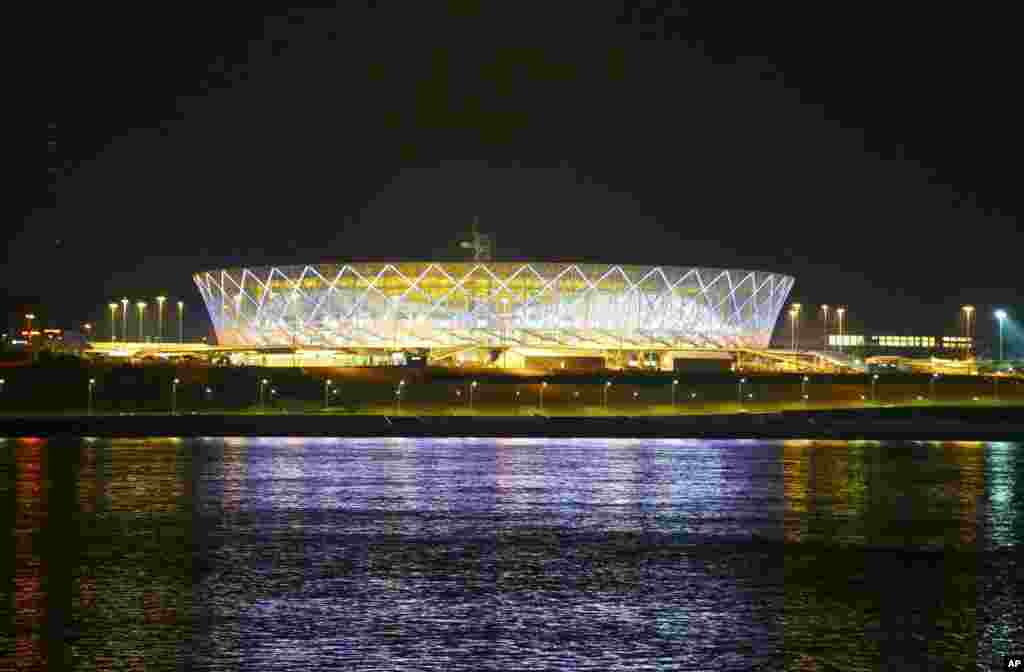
x=482 y=310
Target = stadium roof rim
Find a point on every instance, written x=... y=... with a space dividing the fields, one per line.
x=217 y=269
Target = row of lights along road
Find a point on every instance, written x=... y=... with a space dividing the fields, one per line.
x=328 y=384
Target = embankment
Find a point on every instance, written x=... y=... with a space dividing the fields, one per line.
x=939 y=423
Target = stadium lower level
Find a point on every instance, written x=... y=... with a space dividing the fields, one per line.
x=471 y=358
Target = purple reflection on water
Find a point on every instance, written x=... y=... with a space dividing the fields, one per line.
x=679 y=486
x=345 y=536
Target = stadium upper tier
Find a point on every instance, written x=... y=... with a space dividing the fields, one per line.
x=404 y=305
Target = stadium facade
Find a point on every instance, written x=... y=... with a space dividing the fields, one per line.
x=485 y=309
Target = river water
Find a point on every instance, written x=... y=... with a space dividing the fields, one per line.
x=522 y=554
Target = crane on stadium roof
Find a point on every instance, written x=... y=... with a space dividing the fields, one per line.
x=480 y=243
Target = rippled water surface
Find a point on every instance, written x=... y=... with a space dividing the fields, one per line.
x=416 y=554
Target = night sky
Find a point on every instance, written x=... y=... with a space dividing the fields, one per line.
x=875 y=156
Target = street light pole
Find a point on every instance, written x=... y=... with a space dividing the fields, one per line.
x=874 y=393
x=472 y=386
x=92 y=384
x=839 y=313
x=803 y=389
x=1001 y=316
x=124 y=319
x=969 y=342
x=181 y=324
x=113 y=327
x=675 y=383
x=796 y=320
x=739 y=392
x=263 y=387
x=28 y=338
x=543 y=384
x=968 y=311
x=824 y=327
x=327 y=386
x=141 y=305
x=174 y=396
x=160 y=318
x=607 y=384
x=792 y=329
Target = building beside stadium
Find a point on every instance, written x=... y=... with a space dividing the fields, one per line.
x=503 y=313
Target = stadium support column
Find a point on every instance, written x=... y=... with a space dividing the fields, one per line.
x=622 y=336
x=503 y=316
x=394 y=323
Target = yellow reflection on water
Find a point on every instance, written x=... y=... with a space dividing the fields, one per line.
x=235 y=461
x=144 y=476
x=794 y=474
x=971 y=463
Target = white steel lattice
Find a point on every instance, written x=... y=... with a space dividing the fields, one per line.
x=432 y=305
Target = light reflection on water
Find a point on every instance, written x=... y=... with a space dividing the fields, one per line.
x=511 y=554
